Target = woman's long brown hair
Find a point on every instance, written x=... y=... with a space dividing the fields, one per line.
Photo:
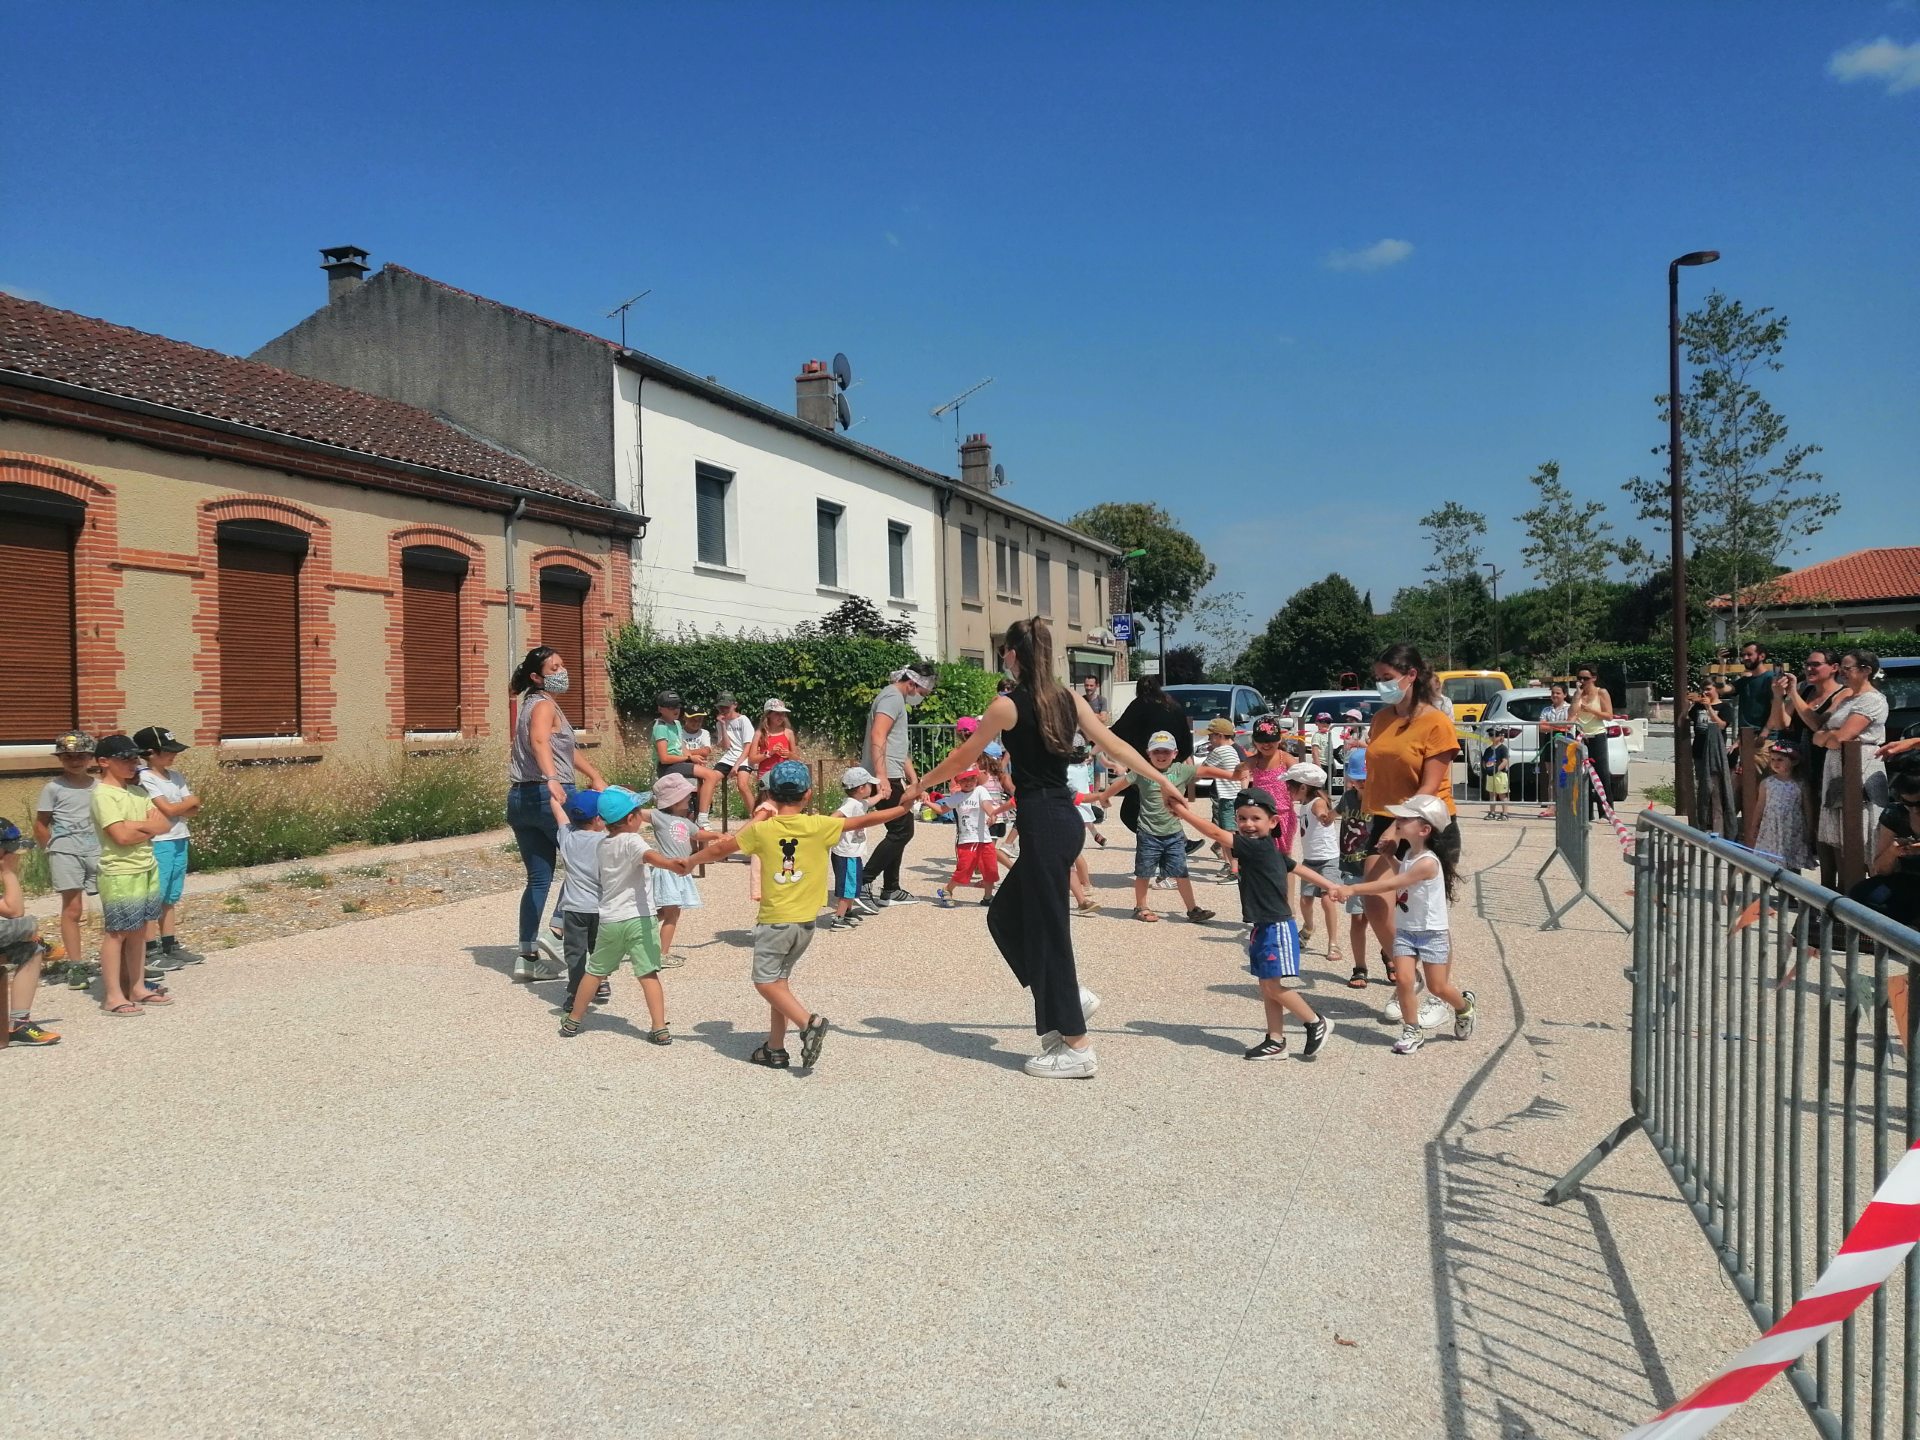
x=1031 y=642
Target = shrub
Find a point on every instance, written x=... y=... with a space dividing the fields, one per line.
x=308 y=879
x=254 y=816
x=427 y=797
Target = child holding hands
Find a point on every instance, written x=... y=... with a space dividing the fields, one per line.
x=628 y=930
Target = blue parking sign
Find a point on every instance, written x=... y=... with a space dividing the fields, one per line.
x=1123 y=629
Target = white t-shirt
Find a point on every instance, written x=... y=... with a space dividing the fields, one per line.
x=852 y=844
x=1320 y=844
x=623 y=878
x=1426 y=895
x=735 y=734
x=1080 y=781
x=692 y=740
x=580 y=853
x=970 y=816
x=172 y=787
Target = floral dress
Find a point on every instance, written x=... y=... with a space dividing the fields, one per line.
x=1783 y=824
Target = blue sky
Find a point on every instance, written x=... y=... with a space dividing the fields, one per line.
x=1160 y=229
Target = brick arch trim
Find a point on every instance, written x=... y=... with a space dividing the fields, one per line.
x=99 y=660
x=315 y=597
x=474 y=698
x=596 y=685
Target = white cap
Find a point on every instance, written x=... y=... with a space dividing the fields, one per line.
x=1162 y=740
x=1306 y=773
x=1430 y=808
x=855 y=776
x=774 y=706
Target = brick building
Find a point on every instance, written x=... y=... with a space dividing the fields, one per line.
x=273 y=566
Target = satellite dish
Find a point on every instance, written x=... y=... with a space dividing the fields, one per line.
x=999 y=476
x=845 y=410
x=843 y=372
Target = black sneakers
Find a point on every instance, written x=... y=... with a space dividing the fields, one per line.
x=1268 y=1049
x=1317 y=1033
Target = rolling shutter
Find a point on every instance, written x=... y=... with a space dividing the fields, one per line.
x=430 y=581
x=259 y=635
x=38 y=701
x=563 y=627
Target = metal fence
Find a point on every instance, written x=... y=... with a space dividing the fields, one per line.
x=1771 y=1069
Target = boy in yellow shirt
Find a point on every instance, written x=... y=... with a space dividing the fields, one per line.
x=792 y=847
x=128 y=823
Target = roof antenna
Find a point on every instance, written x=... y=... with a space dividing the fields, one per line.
x=621 y=310
x=955 y=404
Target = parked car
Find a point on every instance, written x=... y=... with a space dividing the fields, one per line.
x=1516 y=713
x=1901 y=682
x=1241 y=704
x=1469 y=691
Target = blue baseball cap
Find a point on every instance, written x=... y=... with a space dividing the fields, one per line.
x=995 y=749
x=789 y=780
x=617 y=802
x=583 y=807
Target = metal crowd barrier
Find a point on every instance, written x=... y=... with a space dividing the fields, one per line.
x=1771 y=1069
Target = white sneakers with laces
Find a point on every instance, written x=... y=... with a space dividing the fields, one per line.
x=1089 y=1002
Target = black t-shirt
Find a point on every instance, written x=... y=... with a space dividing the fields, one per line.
x=1899 y=823
x=1139 y=721
x=1263 y=880
x=1034 y=766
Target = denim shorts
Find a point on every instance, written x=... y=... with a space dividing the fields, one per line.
x=1429 y=947
x=1159 y=855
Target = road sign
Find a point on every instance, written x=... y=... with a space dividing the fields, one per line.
x=1122 y=628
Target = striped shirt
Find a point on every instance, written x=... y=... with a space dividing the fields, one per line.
x=1225 y=757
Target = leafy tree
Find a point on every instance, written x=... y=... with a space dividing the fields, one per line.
x=1220 y=618
x=1323 y=629
x=1454 y=532
x=1748 y=498
x=1163 y=582
x=1570 y=548
x=858 y=617
x=1186 y=665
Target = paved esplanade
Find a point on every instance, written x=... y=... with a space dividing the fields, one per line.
x=353 y=1184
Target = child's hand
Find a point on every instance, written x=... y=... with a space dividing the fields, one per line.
x=1340 y=894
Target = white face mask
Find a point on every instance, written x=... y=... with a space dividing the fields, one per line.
x=1391 y=691
x=557 y=683
x=914 y=697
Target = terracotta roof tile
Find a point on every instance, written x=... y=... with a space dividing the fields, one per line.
x=60 y=345
x=1864 y=577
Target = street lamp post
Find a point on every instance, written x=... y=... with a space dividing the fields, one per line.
x=1496 y=573
x=1676 y=525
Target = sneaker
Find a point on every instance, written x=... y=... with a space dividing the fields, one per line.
x=1269 y=1048
x=1317 y=1034
x=839 y=922
x=163 y=960
x=1434 y=1012
x=28 y=1033
x=986 y=899
x=152 y=972
x=772 y=1059
x=943 y=897
x=865 y=901
x=603 y=994
x=530 y=969
x=1390 y=1012
x=1412 y=1037
x=1463 y=1019
x=181 y=953
x=1064 y=1063
x=1089 y=1002
x=900 y=897
x=1199 y=916
x=569 y=1028
x=79 y=976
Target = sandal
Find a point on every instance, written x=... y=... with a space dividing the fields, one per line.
x=662 y=1036
x=1357 y=980
x=1099 y=839
x=1087 y=907
x=1334 y=957
x=772 y=1059
x=812 y=1038
x=1199 y=915
x=155 y=996
x=1146 y=915
x=125 y=1007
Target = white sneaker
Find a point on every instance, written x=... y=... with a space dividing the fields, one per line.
x=1390 y=1013
x=1435 y=1012
x=1063 y=1062
x=1089 y=1002
x=528 y=969
x=1412 y=1037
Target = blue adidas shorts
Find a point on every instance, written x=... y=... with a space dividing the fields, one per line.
x=1273 y=951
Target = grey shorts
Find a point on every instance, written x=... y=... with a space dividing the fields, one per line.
x=18 y=940
x=1429 y=947
x=74 y=872
x=777 y=949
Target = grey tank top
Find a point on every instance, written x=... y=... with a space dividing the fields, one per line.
x=523 y=765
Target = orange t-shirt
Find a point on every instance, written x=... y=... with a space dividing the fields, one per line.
x=1397 y=751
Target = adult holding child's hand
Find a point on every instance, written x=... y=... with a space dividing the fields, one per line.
x=1028 y=918
x=541 y=764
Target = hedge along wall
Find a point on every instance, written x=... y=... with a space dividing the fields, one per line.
x=828 y=682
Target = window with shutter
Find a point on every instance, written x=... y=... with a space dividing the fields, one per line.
x=969 y=565
x=827 y=541
x=897 y=561
x=710 y=518
x=39 y=701
x=259 y=635
x=430 y=580
x=1042 y=584
x=563 y=627
x=1073 y=593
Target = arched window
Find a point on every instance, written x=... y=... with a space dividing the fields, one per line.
x=563 y=625
x=430 y=581
x=39 y=694
x=259 y=634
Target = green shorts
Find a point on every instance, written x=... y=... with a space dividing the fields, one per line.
x=637 y=940
x=129 y=902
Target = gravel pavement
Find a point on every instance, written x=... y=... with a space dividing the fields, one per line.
x=353 y=1184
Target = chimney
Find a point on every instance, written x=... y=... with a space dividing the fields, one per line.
x=344 y=264
x=817 y=395
x=976 y=463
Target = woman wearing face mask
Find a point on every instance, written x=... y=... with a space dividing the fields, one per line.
x=1411 y=748
x=1028 y=917
x=887 y=756
x=541 y=763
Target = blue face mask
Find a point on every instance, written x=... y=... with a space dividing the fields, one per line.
x=1391 y=691
x=557 y=683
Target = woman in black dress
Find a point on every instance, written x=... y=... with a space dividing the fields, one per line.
x=1152 y=709
x=1028 y=917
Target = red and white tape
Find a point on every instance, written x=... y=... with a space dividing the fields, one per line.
x=1606 y=809
x=1873 y=1250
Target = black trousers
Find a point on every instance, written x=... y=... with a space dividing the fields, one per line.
x=578 y=932
x=1028 y=918
x=882 y=870
x=1597 y=753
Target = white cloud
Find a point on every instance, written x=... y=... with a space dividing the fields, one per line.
x=892 y=239
x=1883 y=59
x=1377 y=256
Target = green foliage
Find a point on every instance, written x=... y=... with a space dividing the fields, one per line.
x=1323 y=629
x=958 y=690
x=1186 y=665
x=1748 y=498
x=307 y=879
x=428 y=797
x=1570 y=547
x=827 y=681
x=1458 y=589
x=1661 y=792
x=36 y=876
x=856 y=617
x=1164 y=581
